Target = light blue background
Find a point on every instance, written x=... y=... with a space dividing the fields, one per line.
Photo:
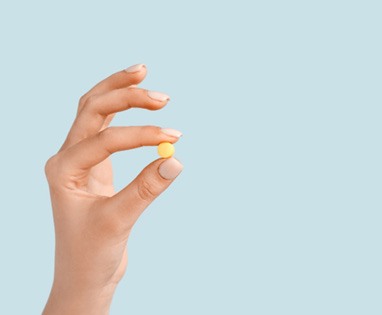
x=278 y=210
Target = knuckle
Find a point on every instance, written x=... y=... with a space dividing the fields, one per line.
x=147 y=191
x=50 y=166
x=156 y=130
x=82 y=101
x=53 y=172
x=90 y=102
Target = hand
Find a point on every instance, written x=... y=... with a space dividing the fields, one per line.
x=92 y=222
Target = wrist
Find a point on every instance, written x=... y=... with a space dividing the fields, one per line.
x=79 y=300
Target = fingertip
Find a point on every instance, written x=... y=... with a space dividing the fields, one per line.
x=170 y=168
x=169 y=135
x=172 y=132
x=136 y=68
x=158 y=96
x=136 y=72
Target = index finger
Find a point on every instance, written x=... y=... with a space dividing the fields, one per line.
x=132 y=75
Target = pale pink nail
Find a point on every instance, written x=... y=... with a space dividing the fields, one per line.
x=172 y=132
x=158 y=96
x=170 y=168
x=135 y=68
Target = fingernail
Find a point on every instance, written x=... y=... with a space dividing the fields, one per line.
x=172 y=132
x=170 y=168
x=158 y=96
x=135 y=68
x=133 y=86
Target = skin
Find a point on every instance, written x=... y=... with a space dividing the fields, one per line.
x=92 y=221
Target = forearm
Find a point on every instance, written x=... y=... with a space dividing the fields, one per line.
x=65 y=300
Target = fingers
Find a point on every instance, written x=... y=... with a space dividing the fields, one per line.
x=93 y=150
x=99 y=110
x=132 y=75
x=130 y=202
x=122 y=99
x=128 y=77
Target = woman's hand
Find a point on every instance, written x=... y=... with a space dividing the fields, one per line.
x=92 y=222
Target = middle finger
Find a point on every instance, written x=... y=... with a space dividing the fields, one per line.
x=99 y=107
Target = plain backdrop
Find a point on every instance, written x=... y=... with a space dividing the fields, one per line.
x=278 y=210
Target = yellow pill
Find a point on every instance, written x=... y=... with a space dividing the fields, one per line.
x=166 y=150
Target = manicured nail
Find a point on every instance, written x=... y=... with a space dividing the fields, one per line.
x=170 y=168
x=158 y=96
x=172 y=132
x=135 y=68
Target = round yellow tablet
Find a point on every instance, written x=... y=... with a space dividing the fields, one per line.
x=166 y=150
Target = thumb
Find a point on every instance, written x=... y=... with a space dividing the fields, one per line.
x=131 y=201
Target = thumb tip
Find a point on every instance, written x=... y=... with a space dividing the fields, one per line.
x=170 y=168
